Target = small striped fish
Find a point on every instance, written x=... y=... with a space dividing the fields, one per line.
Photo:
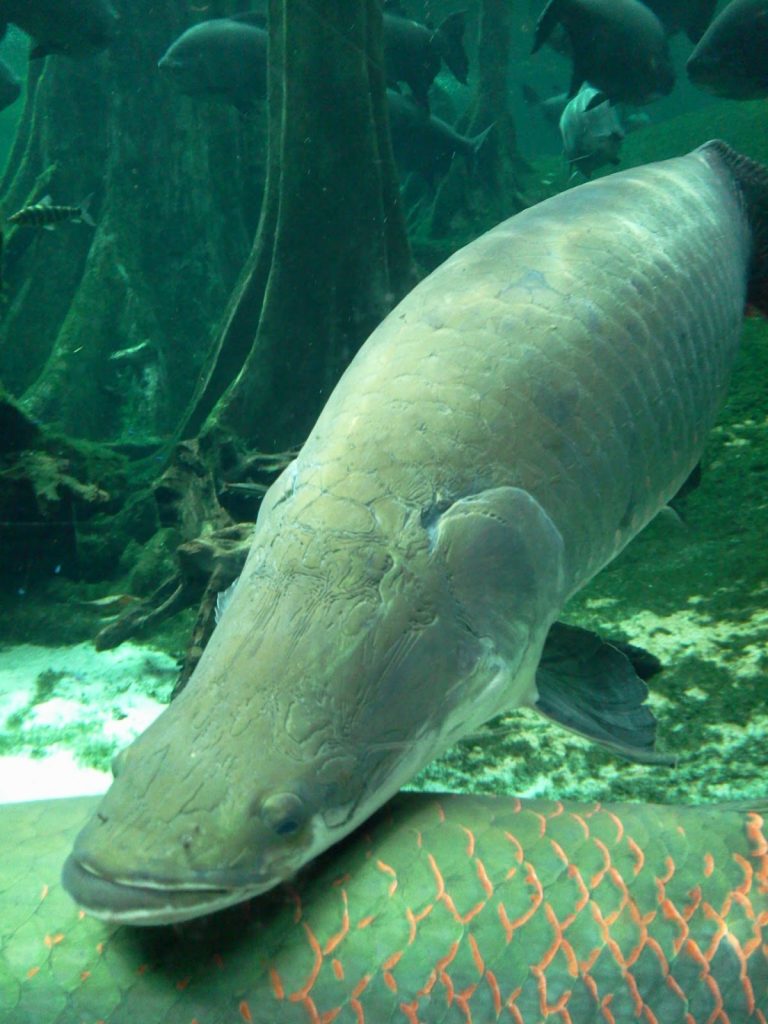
x=46 y=215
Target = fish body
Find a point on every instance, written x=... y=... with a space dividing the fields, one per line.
x=223 y=59
x=226 y=58
x=73 y=28
x=731 y=59
x=689 y=16
x=425 y=144
x=591 y=131
x=453 y=907
x=414 y=53
x=47 y=215
x=617 y=46
x=511 y=425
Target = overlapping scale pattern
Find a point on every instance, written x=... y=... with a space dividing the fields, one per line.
x=445 y=910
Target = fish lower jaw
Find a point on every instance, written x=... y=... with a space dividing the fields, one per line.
x=144 y=902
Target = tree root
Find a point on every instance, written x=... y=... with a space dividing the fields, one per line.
x=207 y=566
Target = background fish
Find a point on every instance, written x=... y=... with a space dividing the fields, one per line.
x=591 y=131
x=74 y=28
x=689 y=16
x=425 y=144
x=731 y=60
x=414 y=53
x=46 y=214
x=617 y=46
x=224 y=59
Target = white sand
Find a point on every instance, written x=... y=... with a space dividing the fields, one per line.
x=68 y=699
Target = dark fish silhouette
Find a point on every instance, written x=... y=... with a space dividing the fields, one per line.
x=224 y=59
x=74 y=28
x=414 y=52
x=689 y=16
x=618 y=46
x=731 y=59
x=425 y=144
x=45 y=215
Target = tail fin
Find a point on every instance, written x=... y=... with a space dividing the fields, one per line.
x=85 y=212
x=752 y=180
x=450 y=41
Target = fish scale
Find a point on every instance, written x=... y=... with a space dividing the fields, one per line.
x=509 y=339
x=506 y=430
x=442 y=910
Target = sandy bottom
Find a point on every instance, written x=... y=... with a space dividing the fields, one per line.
x=65 y=711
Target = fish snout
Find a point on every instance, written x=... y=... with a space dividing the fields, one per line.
x=131 y=902
x=184 y=872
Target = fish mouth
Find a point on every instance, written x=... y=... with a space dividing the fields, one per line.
x=142 y=901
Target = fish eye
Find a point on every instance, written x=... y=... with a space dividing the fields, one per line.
x=284 y=813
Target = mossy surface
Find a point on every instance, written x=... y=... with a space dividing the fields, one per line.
x=78 y=702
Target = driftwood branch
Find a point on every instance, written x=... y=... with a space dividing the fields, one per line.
x=207 y=566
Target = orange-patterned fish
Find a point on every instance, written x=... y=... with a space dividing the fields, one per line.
x=441 y=910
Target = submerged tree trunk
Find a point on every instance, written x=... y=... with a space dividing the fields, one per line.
x=106 y=330
x=331 y=255
x=468 y=201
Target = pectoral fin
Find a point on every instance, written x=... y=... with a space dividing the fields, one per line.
x=593 y=688
x=504 y=560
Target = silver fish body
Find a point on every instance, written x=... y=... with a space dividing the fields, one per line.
x=591 y=131
x=508 y=428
